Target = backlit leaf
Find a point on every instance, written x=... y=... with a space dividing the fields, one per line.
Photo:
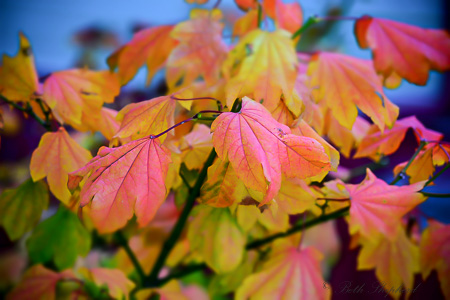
x=56 y=156
x=395 y=261
x=378 y=207
x=260 y=149
x=18 y=77
x=246 y=23
x=200 y=51
x=39 y=283
x=288 y=274
x=375 y=143
x=119 y=286
x=216 y=235
x=402 y=50
x=196 y=146
x=21 y=208
x=72 y=92
x=263 y=66
x=149 y=46
x=434 y=253
x=123 y=180
x=60 y=238
x=345 y=83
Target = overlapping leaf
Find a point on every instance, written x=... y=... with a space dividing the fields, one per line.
x=246 y=23
x=196 y=146
x=18 y=77
x=288 y=274
x=65 y=239
x=150 y=46
x=403 y=51
x=200 y=51
x=263 y=65
x=378 y=207
x=119 y=286
x=149 y=117
x=288 y=16
x=345 y=83
x=21 y=208
x=38 y=283
x=72 y=92
x=395 y=261
x=56 y=156
x=375 y=143
x=123 y=180
x=211 y=232
x=434 y=253
x=260 y=149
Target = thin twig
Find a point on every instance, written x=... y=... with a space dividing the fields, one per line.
x=123 y=242
x=403 y=172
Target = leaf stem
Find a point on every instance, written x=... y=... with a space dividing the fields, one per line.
x=123 y=242
x=259 y=15
x=335 y=199
x=403 y=172
x=311 y=21
x=152 y=279
x=437 y=174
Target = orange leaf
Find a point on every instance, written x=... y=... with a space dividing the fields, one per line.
x=378 y=207
x=119 y=286
x=150 y=46
x=196 y=146
x=434 y=253
x=148 y=117
x=18 y=77
x=404 y=50
x=346 y=83
x=72 y=92
x=56 y=156
x=123 y=180
x=288 y=16
x=260 y=149
x=200 y=51
x=395 y=261
x=375 y=143
x=420 y=169
x=222 y=187
x=245 y=24
x=288 y=274
x=263 y=64
x=39 y=283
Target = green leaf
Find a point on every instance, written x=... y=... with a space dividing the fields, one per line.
x=21 y=208
x=60 y=238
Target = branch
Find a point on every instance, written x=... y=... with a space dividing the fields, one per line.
x=437 y=174
x=123 y=242
x=311 y=21
x=403 y=172
x=152 y=279
x=28 y=110
x=436 y=195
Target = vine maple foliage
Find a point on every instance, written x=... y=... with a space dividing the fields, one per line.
x=235 y=193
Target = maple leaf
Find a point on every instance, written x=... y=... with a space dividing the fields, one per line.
x=123 y=180
x=200 y=51
x=39 y=283
x=222 y=187
x=421 y=168
x=70 y=93
x=149 y=117
x=376 y=206
x=65 y=238
x=263 y=65
x=288 y=274
x=245 y=24
x=21 y=208
x=251 y=141
x=119 y=286
x=345 y=83
x=295 y=197
x=196 y=146
x=395 y=261
x=375 y=143
x=288 y=16
x=402 y=50
x=213 y=230
x=150 y=46
x=56 y=156
x=434 y=253
x=18 y=77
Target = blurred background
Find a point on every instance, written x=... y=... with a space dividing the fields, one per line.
x=66 y=34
